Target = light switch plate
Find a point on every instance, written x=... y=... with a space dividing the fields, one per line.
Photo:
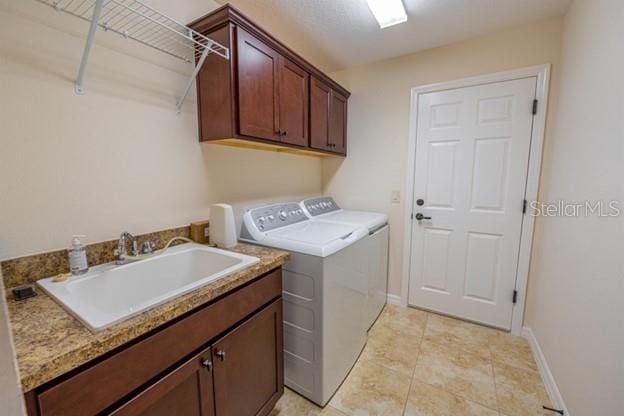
x=396 y=197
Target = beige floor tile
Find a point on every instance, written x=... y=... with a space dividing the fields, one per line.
x=392 y=348
x=511 y=350
x=426 y=400
x=520 y=392
x=468 y=337
x=371 y=390
x=408 y=320
x=292 y=404
x=451 y=369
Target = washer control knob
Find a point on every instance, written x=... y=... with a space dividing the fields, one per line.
x=283 y=215
x=271 y=217
x=261 y=220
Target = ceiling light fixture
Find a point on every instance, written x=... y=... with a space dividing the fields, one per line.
x=388 y=12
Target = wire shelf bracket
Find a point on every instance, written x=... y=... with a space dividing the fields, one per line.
x=135 y=20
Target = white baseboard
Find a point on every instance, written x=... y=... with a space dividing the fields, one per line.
x=396 y=300
x=549 y=381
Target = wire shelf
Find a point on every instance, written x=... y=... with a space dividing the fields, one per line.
x=137 y=21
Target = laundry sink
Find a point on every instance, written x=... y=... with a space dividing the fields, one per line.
x=109 y=293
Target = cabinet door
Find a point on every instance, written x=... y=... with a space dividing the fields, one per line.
x=293 y=103
x=258 y=72
x=320 y=98
x=187 y=390
x=248 y=365
x=338 y=123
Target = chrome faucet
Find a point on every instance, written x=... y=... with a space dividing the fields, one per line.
x=121 y=247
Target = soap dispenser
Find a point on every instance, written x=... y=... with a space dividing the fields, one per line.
x=78 y=256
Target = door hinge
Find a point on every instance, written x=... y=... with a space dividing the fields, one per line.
x=514 y=299
x=534 y=106
x=524 y=206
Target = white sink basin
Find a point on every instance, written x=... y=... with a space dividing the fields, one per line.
x=108 y=293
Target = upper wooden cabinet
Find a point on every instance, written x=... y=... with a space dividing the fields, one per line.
x=293 y=103
x=338 y=122
x=328 y=118
x=320 y=99
x=258 y=93
x=266 y=95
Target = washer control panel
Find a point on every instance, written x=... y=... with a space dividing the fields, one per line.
x=321 y=205
x=276 y=216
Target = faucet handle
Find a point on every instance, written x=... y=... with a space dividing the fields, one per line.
x=135 y=247
x=148 y=247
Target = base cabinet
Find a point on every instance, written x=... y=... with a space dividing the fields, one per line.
x=248 y=374
x=241 y=374
x=224 y=359
x=187 y=390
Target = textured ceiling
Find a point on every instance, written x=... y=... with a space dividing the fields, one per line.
x=336 y=34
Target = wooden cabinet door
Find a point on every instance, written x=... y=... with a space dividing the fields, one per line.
x=293 y=103
x=258 y=81
x=338 y=123
x=320 y=98
x=248 y=365
x=187 y=390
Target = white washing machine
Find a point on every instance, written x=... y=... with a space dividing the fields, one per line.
x=324 y=288
x=325 y=209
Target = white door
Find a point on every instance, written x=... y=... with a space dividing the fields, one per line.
x=472 y=154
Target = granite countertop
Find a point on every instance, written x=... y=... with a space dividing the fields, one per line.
x=50 y=342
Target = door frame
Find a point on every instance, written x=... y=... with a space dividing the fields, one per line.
x=542 y=72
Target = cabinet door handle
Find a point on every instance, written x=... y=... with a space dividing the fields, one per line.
x=221 y=355
x=278 y=132
x=284 y=133
x=208 y=364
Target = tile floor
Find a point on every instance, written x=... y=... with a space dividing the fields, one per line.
x=422 y=364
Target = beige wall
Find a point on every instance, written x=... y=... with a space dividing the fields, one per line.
x=575 y=305
x=117 y=158
x=10 y=393
x=379 y=111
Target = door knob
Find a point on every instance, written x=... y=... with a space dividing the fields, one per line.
x=421 y=217
x=221 y=355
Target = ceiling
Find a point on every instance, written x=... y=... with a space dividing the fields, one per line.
x=337 y=34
